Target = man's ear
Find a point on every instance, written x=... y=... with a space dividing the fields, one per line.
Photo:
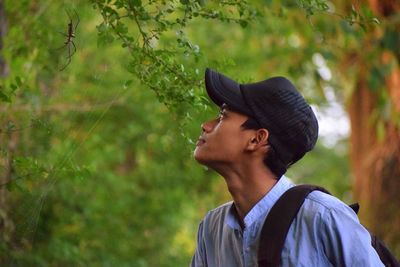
x=259 y=139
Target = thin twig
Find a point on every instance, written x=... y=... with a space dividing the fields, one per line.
x=146 y=53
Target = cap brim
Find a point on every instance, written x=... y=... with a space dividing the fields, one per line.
x=223 y=90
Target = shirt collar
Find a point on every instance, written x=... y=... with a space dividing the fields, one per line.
x=262 y=207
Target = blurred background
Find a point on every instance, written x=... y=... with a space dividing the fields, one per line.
x=101 y=103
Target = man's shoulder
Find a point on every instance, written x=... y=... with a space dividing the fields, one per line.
x=317 y=204
x=223 y=207
x=325 y=201
x=217 y=216
x=221 y=210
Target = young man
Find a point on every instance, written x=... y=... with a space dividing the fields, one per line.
x=262 y=129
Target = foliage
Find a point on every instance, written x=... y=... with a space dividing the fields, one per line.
x=162 y=57
x=99 y=172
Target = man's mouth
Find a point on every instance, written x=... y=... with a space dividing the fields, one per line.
x=200 y=141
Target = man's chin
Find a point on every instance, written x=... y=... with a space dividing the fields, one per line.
x=197 y=156
x=200 y=157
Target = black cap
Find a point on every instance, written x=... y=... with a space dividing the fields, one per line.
x=276 y=105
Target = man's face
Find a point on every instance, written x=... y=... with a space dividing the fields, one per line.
x=223 y=141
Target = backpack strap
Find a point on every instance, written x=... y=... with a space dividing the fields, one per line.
x=278 y=221
x=355 y=207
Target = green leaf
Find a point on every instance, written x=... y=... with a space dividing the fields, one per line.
x=375 y=79
x=10 y=126
x=18 y=81
x=391 y=40
x=102 y=27
x=127 y=83
x=243 y=23
x=121 y=28
x=4 y=97
x=136 y=3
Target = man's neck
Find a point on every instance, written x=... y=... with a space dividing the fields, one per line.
x=247 y=187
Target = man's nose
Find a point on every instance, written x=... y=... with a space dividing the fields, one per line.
x=207 y=126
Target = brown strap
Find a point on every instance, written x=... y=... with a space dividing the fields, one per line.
x=277 y=223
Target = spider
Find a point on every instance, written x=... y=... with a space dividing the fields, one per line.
x=69 y=42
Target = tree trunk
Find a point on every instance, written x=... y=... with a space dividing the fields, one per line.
x=376 y=161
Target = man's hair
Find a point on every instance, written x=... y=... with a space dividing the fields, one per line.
x=271 y=160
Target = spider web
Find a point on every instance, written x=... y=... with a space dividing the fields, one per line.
x=28 y=213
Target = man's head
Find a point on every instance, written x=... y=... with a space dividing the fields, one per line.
x=274 y=105
x=223 y=140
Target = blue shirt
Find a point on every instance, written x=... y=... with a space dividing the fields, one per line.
x=325 y=232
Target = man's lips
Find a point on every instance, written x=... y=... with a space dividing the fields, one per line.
x=200 y=141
